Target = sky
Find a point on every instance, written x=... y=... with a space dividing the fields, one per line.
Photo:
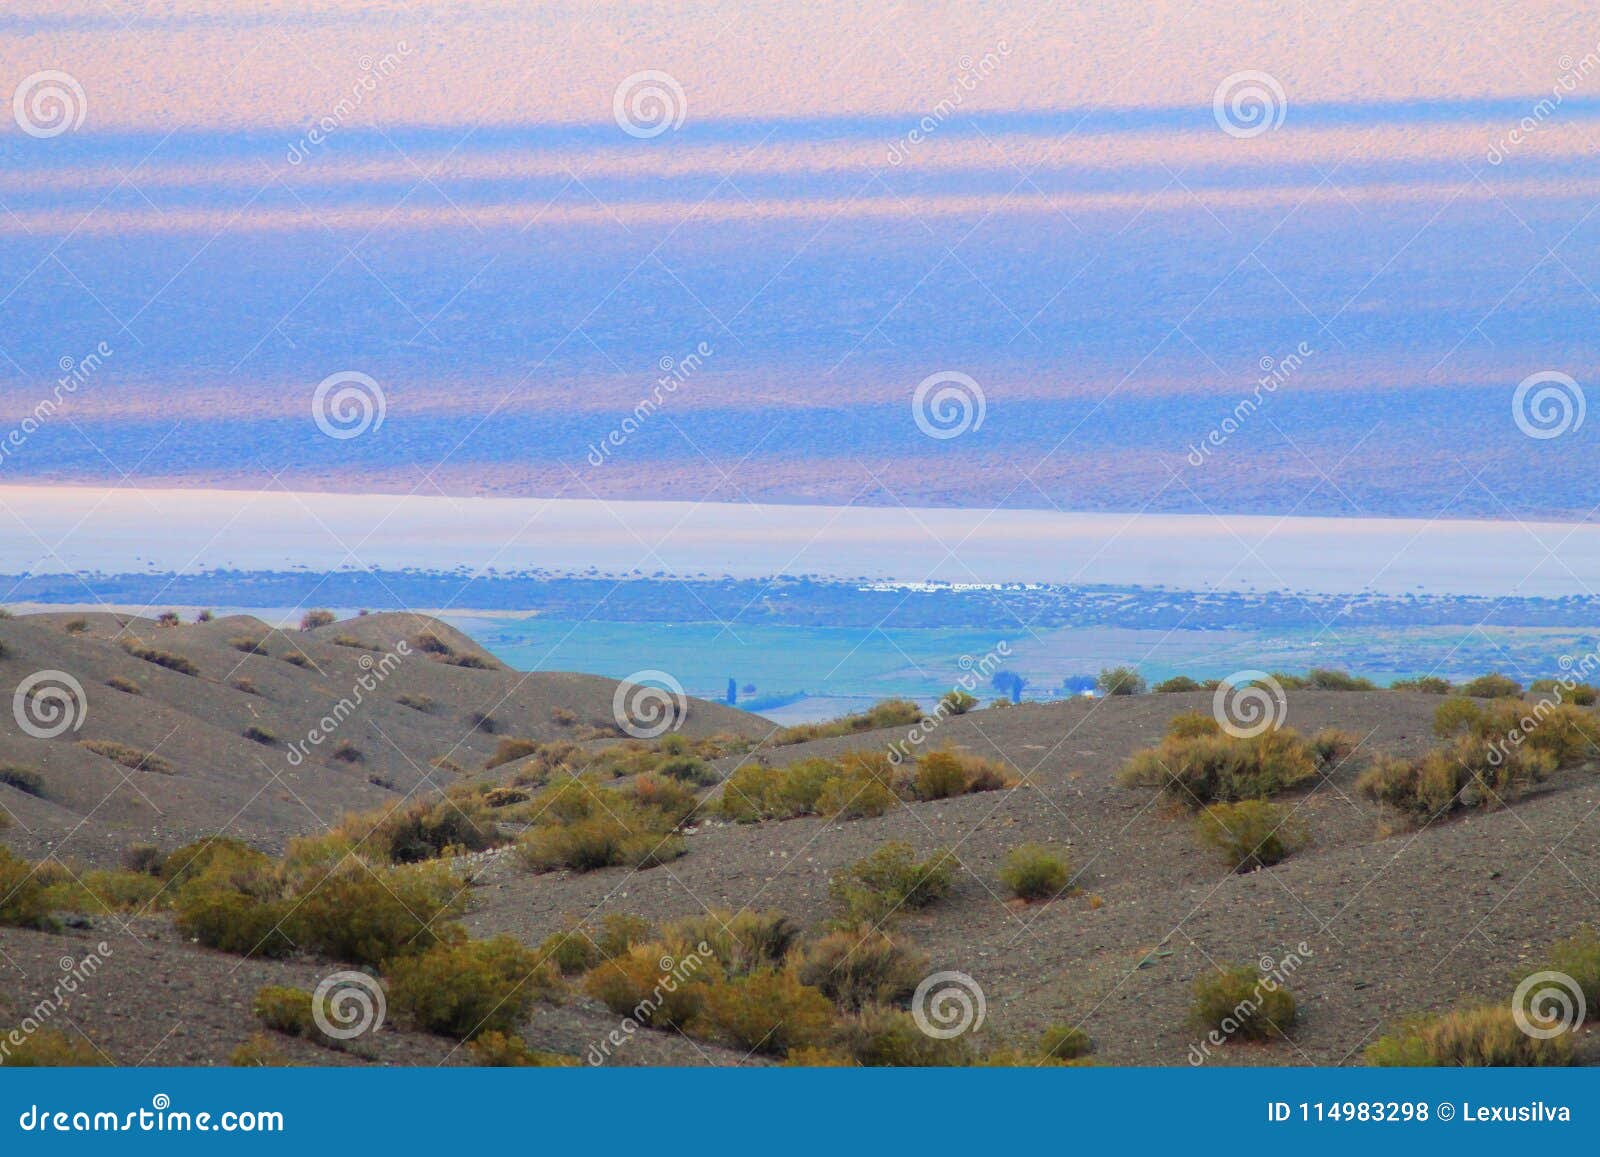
x=1106 y=224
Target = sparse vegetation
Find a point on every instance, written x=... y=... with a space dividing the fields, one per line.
x=1177 y=685
x=24 y=779
x=1251 y=833
x=1240 y=1002
x=1492 y=686
x=861 y=966
x=509 y=750
x=260 y=735
x=496 y=1050
x=51 y=1048
x=129 y=757
x=891 y=879
x=422 y=703
x=464 y=990
x=127 y=686
x=1324 y=679
x=77 y=626
x=1468 y=1037
x=1426 y=684
x=857 y=784
x=1064 y=1042
x=160 y=658
x=22 y=896
x=888 y=713
x=1120 y=681
x=314 y=619
x=1035 y=872
x=1197 y=764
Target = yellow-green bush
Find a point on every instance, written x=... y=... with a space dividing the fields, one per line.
x=634 y=984
x=1240 y=1002
x=879 y=1037
x=1213 y=768
x=496 y=1050
x=1578 y=956
x=23 y=903
x=1251 y=834
x=422 y=829
x=889 y=880
x=48 y=1048
x=1064 y=1042
x=861 y=966
x=1470 y=1038
x=366 y=915
x=767 y=1011
x=1035 y=872
x=461 y=990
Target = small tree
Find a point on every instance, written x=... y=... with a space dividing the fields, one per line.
x=1121 y=681
x=1009 y=683
x=733 y=692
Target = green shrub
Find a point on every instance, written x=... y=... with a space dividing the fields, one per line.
x=879 y=1037
x=24 y=779
x=1425 y=684
x=957 y=702
x=890 y=879
x=1201 y=769
x=286 y=1010
x=887 y=713
x=688 y=769
x=22 y=896
x=1465 y=774
x=742 y=942
x=1251 y=834
x=1240 y=1002
x=1324 y=679
x=1471 y=1038
x=1120 y=681
x=461 y=990
x=768 y=1011
x=496 y=1050
x=423 y=829
x=621 y=931
x=633 y=984
x=1493 y=686
x=259 y=1052
x=1578 y=956
x=856 y=793
x=1176 y=685
x=861 y=966
x=260 y=735
x=235 y=922
x=944 y=773
x=47 y=1048
x=571 y=950
x=624 y=834
x=1064 y=1042
x=99 y=891
x=367 y=916
x=1035 y=872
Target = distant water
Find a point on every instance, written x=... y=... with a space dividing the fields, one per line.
x=53 y=530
